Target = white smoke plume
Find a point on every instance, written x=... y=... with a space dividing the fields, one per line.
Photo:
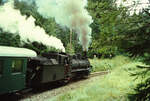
x=12 y=21
x=68 y=13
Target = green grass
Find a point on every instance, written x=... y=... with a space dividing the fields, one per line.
x=112 y=87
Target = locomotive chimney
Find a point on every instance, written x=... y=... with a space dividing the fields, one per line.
x=85 y=54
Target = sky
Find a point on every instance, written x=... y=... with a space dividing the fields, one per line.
x=135 y=6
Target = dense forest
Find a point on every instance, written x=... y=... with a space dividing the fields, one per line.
x=114 y=32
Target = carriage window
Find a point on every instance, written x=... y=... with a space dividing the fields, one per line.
x=17 y=65
x=1 y=65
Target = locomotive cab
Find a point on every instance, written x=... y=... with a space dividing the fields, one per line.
x=13 y=62
x=47 y=68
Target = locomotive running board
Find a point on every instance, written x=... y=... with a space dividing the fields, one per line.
x=26 y=90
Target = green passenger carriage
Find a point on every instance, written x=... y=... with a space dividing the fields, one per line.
x=13 y=65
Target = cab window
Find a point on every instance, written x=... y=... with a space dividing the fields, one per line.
x=17 y=65
x=1 y=66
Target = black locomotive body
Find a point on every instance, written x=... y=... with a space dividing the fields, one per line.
x=55 y=66
x=80 y=66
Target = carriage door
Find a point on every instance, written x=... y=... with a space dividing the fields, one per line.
x=1 y=66
x=17 y=77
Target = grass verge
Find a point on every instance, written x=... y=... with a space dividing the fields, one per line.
x=112 y=87
x=108 y=64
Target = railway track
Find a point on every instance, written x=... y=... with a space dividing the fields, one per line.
x=70 y=86
x=50 y=92
x=98 y=73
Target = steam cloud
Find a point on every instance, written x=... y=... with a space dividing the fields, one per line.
x=68 y=13
x=12 y=21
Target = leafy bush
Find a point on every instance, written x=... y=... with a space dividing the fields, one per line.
x=108 y=64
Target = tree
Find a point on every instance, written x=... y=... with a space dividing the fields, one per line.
x=107 y=27
x=137 y=38
x=7 y=39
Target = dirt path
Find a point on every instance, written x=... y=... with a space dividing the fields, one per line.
x=50 y=93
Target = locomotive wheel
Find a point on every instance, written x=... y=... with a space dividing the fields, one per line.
x=66 y=81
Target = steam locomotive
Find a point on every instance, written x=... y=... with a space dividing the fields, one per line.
x=21 y=68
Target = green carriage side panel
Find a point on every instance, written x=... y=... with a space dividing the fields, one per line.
x=13 y=68
x=13 y=74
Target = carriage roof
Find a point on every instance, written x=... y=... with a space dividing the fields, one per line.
x=6 y=51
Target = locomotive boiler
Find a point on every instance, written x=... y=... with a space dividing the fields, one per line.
x=80 y=66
